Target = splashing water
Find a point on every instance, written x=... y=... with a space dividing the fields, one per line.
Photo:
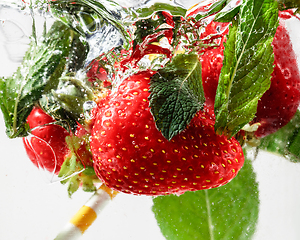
x=105 y=39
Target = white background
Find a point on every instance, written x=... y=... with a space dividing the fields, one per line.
x=33 y=208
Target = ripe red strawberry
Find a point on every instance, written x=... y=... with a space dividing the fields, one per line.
x=279 y=104
x=131 y=155
x=47 y=147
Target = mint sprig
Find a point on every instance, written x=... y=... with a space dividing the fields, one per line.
x=42 y=66
x=227 y=212
x=247 y=66
x=176 y=94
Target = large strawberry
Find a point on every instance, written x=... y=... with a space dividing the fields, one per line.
x=131 y=155
x=279 y=104
x=46 y=146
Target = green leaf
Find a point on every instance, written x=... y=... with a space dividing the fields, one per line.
x=42 y=66
x=247 y=66
x=286 y=141
x=227 y=212
x=176 y=94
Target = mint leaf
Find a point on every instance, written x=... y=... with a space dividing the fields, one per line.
x=227 y=212
x=285 y=141
x=247 y=66
x=43 y=64
x=176 y=94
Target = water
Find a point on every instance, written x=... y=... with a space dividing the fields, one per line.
x=27 y=199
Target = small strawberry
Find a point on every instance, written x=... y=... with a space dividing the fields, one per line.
x=47 y=147
x=131 y=155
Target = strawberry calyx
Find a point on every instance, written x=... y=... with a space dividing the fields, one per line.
x=77 y=169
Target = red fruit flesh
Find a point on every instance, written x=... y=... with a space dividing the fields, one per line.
x=280 y=102
x=131 y=155
x=47 y=147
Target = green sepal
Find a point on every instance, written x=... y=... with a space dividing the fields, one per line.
x=73 y=185
x=69 y=167
x=53 y=108
x=89 y=171
x=73 y=172
x=88 y=183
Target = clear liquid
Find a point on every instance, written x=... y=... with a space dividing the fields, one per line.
x=34 y=209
